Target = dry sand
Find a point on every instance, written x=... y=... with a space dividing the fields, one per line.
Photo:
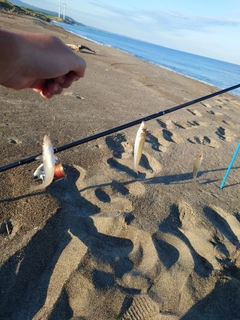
x=105 y=243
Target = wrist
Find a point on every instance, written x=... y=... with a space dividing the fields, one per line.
x=10 y=55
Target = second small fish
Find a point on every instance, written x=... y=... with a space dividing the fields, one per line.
x=48 y=165
x=197 y=164
x=139 y=144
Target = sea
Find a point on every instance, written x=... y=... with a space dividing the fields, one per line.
x=211 y=71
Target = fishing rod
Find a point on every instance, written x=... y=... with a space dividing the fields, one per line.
x=119 y=128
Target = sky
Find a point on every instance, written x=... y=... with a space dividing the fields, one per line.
x=209 y=28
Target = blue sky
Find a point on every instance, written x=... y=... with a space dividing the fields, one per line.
x=209 y=27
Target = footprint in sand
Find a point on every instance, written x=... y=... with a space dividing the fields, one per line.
x=190 y=124
x=109 y=251
x=160 y=139
x=167 y=132
x=162 y=123
x=191 y=242
x=180 y=124
x=210 y=237
x=176 y=259
x=122 y=161
x=227 y=244
x=193 y=123
x=215 y=113
x=227 y=223
x=153 y=141
x=108 y=257
x=165 y=124
x=167 y=135
x=148 y=166
x=179 y=253
x=109 y=192
x=225 y=134
x=14 y=141
x=214 y=236
x=165 y=138
x=141 y=307
x=218 y=103
x=204 y=140
x=206 y=105
x=229 y=123
x=105 y=193
x=116 y=144
x=202 y=234
x=194 y=112
x=222 y=103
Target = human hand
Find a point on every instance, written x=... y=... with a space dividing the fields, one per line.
x=38 y=61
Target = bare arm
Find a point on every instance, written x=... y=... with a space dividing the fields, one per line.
x=39 y=61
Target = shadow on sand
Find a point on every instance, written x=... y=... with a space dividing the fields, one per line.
x=25 y=276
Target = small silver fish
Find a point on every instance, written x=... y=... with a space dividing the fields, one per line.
x=48 y=165
x=197 y=164
x=139 y=144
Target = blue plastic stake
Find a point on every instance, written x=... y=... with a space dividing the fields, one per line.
x=230 y=166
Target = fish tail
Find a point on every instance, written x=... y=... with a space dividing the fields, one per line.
x=136 y=158
x=41 y=186
x=136 y=168
x=35 y=187
x=197 y=164
x=196 y=169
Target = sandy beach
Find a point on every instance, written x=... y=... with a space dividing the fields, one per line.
x=107 y=243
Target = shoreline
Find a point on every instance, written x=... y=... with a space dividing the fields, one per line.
x=155 y=63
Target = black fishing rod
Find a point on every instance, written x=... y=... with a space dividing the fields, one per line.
x=119 y=128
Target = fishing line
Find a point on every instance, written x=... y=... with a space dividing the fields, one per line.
x=119 y=128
